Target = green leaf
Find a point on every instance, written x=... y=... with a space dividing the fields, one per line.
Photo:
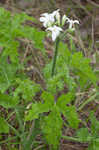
x=55 y=84
x=4 y=128
x=94 y=145
x=71 y=115
x=80 y=65
x=11 y=50
x=27 y=89
x=48 y=98
x=7 y=74
x=38 y=38
x=68 y=111
x=41 y=107
x=52 y=128
x=64 y=99
x=94 y=125
x=36 y=110
x=64 y=52
x=7 y=101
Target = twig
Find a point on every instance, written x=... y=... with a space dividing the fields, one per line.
x=39 y=147
x=87 y=101
x=81 y=6
x=25 y=54
x=93 y=40
x=93 y=3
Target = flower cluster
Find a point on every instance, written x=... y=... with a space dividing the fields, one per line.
x=53 y=22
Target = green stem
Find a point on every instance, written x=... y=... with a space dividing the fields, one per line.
x=21 y=125
x=34 y=130
x=71 y=138
x=55 y=55
x=7 y=140
x=15 y=131
x=76 y=139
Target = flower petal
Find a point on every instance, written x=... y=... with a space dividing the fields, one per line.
x=42 y=19
x=54 y=36
x=76 y=21
x=58 y=28
x=45 y=24
x=64 y=18
x=55 y=12
x=50 y=29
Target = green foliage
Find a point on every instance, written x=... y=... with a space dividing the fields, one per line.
x=94 y=125
x=52 y=128
x=84 y=134
x=8 y=101
x=64 y=99
x=72 y=69
x=7 y=74
x=4 y=128
x=72 y=116
x=52 y=123
x=40 y=107
x=38 y=39
x=10 y=31
x=77 y=64
x=81 y=67
x=14 y=83
x=91 y=137
x=27 y=89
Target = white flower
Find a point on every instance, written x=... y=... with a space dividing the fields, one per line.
x=47 y=19
x=64 y=18
x=56 y=12
x=71 y=22
x=55 y=31
x=57 y=15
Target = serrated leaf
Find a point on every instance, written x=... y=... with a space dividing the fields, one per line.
x=71 y=116
x=51 y=126
x=65 y=52
x=27 y=88
x=37 y=109
x=94 y=125
x=4 y=128
x=11 y=50
x=81 y=67
x=64 y=99
x=34 y=112
x=48 y=98
x=55 y=84
x=41 y=107
x=7 y=74
x=38 y=38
